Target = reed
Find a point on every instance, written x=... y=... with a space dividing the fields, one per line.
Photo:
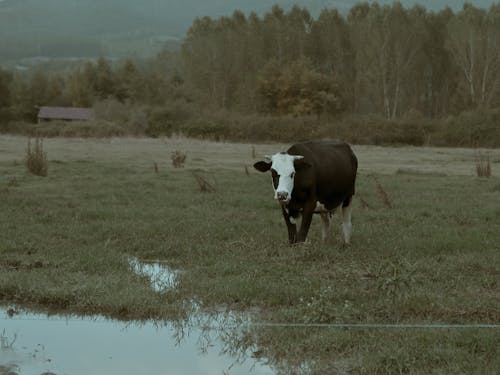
x=483 y=165
x=36 y=158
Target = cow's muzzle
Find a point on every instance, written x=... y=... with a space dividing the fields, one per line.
x=282 y=197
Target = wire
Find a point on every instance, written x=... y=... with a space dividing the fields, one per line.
x=376 y=325
x=291 y=325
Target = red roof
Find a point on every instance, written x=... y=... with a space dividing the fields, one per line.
x=66 y=113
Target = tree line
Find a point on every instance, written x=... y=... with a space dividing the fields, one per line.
x=386 y=61
x=86 y=85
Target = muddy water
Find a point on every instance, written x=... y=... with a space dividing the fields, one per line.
x=34 y=344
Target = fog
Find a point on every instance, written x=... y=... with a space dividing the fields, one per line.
x=121 y=28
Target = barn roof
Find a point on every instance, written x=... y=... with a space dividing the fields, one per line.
x=66 y=113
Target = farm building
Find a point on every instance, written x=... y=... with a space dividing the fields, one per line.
x=65 y=114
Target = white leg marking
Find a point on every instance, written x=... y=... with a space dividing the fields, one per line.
x=320 y=207
x=346 y=222
x=292 y=220
x=326 y=225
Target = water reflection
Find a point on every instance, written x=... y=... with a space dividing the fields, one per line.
x=162 y=277
x=33 y=344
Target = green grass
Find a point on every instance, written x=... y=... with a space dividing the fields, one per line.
x=432 y=258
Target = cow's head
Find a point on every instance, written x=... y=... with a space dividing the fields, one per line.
x=283 y=167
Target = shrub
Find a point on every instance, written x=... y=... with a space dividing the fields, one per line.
x=469 y=129
x=167 y=120
x=178 y=159
x=374 y=129
x=483 y=166
x=36 y=158
x=5 y=117
x=472 y=129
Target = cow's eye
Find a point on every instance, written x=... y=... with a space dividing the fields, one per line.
x=292 y=175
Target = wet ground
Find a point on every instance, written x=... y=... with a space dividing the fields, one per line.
x=36 y=344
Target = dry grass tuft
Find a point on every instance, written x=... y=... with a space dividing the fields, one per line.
x=205 y=185
x=178 y=159
x=483 y=166
x=36 y=158
x=383 y=194
x=364 y=203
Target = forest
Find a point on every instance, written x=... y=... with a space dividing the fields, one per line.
x=381 y=74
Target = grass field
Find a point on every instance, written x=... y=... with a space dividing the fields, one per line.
x=433 y=257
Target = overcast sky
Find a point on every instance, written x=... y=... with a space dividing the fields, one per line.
x=117 y=27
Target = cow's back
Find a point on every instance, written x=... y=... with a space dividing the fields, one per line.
x=333 y=171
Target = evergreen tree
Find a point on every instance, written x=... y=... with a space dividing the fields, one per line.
x=104 y=79
x=128 y=82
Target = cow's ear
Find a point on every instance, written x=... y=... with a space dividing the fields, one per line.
x=262 y=166
x=300 y=164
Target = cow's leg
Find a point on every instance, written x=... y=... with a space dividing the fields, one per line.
x=307 y=215
x=291 y=226
x=346 y=219
x=326 y=225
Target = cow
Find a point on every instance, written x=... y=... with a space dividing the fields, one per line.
x=313 y=177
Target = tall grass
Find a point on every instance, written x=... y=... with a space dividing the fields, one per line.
x=483 y=166
x=36 y=158
x=382 y=193
x=205 y=185
x=178 y=158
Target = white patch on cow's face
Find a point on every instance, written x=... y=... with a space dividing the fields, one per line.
x=283 y=173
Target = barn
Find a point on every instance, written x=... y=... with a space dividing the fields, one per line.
x=65 y=114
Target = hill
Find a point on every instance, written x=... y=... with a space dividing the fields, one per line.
x=117 y=28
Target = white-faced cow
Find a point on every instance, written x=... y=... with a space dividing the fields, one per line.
x=313 y=177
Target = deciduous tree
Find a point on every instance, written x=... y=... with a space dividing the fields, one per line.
x=473 y=39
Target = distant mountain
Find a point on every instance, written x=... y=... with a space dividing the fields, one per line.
x=132 y=27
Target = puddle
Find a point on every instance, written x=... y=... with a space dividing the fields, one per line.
x=162 y=277
x=35 y=344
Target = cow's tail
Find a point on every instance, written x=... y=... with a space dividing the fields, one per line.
x=354 y=161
